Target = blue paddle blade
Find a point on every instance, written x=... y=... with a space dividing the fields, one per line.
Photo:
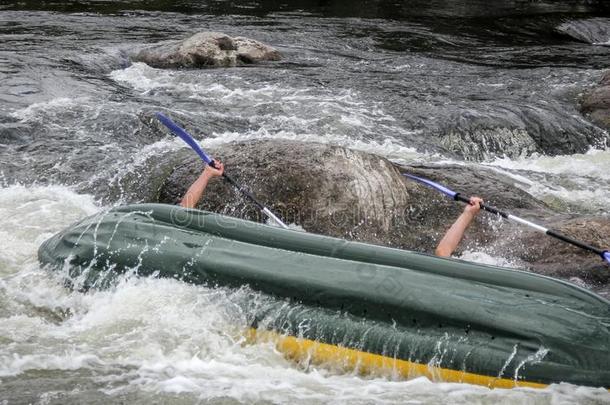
x=430 y=183
x=606 y=256
x=185 y=136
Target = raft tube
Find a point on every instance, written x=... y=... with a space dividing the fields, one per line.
x=355 y=305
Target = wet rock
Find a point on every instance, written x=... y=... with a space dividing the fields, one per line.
x=252 y=51
x=206 y=49
x=518 y=130
x=590 y=31
x=345 y=193
x=595 y=103
x=550 y=256
x=325 y=189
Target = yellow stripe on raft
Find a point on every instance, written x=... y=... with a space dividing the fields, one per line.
x=368 y=363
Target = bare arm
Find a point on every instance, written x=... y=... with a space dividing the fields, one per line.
x=195 y=191
x=454 y=235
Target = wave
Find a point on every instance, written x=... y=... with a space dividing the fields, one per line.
x=578 y=182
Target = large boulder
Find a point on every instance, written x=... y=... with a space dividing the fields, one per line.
x=206 y=49
x=322 y=188
x=346 y=193
x=516 y=130
x=595 y=103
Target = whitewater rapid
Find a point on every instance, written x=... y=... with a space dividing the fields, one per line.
x=75 y=121
x=162 y=339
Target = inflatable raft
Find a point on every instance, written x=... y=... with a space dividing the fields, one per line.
x=354 y=305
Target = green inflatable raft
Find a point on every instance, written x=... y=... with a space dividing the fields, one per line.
x=354 y=305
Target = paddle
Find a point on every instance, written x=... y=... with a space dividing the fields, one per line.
x=186 y=137
x=605 y=254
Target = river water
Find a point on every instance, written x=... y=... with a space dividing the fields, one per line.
x=413 y=81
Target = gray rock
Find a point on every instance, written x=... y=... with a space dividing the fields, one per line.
x=550 y=256
x=325 y=189
x=252 y=51
x=345 y=193
x=595 y=103
x=206 y=49
x=590 y=31
x=517 y=130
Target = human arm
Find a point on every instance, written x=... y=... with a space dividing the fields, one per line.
x=195 y=191
x=454 y=235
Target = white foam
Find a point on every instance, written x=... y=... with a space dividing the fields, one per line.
x=198 y=84
x=142 y=77
x=67 y=361
x=342 y=117
x=485 y=258
x=33 y=111
x=389 y=148
x=584 y=179
x=594 y=163
x=28 y=215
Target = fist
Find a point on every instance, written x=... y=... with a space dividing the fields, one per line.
x=474 y=206
x=217 y=171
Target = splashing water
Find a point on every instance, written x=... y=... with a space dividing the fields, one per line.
x=162 y=338
x=386 y=86
x=580 y=181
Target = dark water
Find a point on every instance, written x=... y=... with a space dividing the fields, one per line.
x=473 y=82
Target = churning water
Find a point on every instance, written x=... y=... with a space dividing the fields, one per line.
x=405 y=81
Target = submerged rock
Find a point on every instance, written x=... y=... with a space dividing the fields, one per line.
x=591 y=31
x=595 y=103
x=206 y=49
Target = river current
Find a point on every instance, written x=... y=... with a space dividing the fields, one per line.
x=405 y=80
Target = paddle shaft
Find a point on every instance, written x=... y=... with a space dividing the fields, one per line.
x=550 y=232
x=249 y=195
x=605 y=254
x=186 y=137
